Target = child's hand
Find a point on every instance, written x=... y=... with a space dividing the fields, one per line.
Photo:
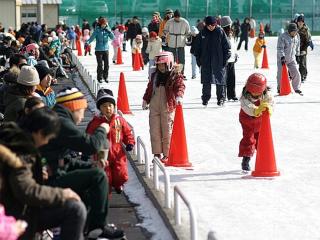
x=129 y=147
x=261 y=108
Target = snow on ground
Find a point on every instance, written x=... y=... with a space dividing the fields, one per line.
x=227 y=202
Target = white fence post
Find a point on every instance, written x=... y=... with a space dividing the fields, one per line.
x=192 y=213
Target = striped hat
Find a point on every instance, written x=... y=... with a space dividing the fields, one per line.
x=72 y=99
x=105 y=95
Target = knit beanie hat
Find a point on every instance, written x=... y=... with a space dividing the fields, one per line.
x=225 y=21
x=42 y=71
x=12 y=75
x=292 y=27
x=177 y=13
x=168 y=11
x=28 y=76
x=210 y=20
x=72 y=99
x=105 y=95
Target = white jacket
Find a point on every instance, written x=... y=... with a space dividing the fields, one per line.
x=233 y=50
x=154 y=47
x=176 y=32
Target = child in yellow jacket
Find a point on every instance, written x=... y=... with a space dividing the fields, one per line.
x=257 y=49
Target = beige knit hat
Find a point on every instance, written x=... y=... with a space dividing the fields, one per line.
x=28 y=76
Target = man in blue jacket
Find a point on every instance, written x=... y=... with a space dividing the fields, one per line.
x=102 y=34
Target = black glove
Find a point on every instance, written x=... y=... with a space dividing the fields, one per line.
x=129 y=147
x=283 y=60
x=198 y=62
x=86 y=45
x=236 y=58
x=311 y=45
x=263 y=46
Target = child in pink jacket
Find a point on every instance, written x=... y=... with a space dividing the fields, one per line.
x=117 y=41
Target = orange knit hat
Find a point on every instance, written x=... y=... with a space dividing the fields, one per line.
x=72 y=99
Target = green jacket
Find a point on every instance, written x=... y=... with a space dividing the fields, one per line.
x=72 y=138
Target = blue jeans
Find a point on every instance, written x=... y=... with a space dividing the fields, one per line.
x=194 y=65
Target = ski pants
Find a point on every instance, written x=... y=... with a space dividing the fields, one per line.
x=161 y=122
x=293 y=73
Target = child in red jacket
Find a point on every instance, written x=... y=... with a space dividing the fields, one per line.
x=120 y=133
x=256 y=98
x=164 y=91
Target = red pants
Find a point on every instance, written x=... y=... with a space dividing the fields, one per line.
x=250 y=128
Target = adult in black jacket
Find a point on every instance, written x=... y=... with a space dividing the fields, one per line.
x=134 y=28
x=244 y=35
x=212 y=52
x=85 y=179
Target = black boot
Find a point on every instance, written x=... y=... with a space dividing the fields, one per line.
x=245 y=164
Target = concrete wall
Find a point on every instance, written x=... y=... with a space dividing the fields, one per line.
x=50 y=15
x=7 y=13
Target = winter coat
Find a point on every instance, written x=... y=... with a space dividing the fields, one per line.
x=86 y=34
x=48 y=96
x=55 y=46
x=71 y=35
x=14 y=105
x=176 y=32
x=258 y=45
x=248 y=105
x=174 y=88
x=136 y=46
x=24 y=196
x=191 y=41
x=245 y=29
x=161 y=27
x=154 y=26
x=133 y=30
x=154 y=47
x=102 y=36
x=288 y=46
x=118 y=39
x=120 y=133
x=71 y=137
x=305 y=38
x=212 y=52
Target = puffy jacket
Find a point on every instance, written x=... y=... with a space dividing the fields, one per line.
x=102 y=36
x=120 y=133
x=305 y=38
x=14 y=105
x=176 y=32
x=154 y=47
x=118 y=38
x=48 y=96
x=288 y=47
x=258 y=45
x=174 y=88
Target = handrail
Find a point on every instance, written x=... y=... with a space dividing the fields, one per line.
x=140 y=143
x=158 y=164
x=134 y=136
x=193 y=217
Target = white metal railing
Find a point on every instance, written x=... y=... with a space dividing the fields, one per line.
x=134 y=136
x=211 y=236
x=140 y=144
x=193 y=217
x=156 y=165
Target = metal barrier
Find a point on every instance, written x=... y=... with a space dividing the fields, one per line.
x=211 y=236
x=158 y=164
x=193 y=218
x=140 y=143
x=134 y=136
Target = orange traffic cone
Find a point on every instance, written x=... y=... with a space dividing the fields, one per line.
x=285 y=86
x=119 y=56
x=178 y=152
x=265 y=63
x=265 y=160
x=252 y=33
x=136 y=62
x=122 y=101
